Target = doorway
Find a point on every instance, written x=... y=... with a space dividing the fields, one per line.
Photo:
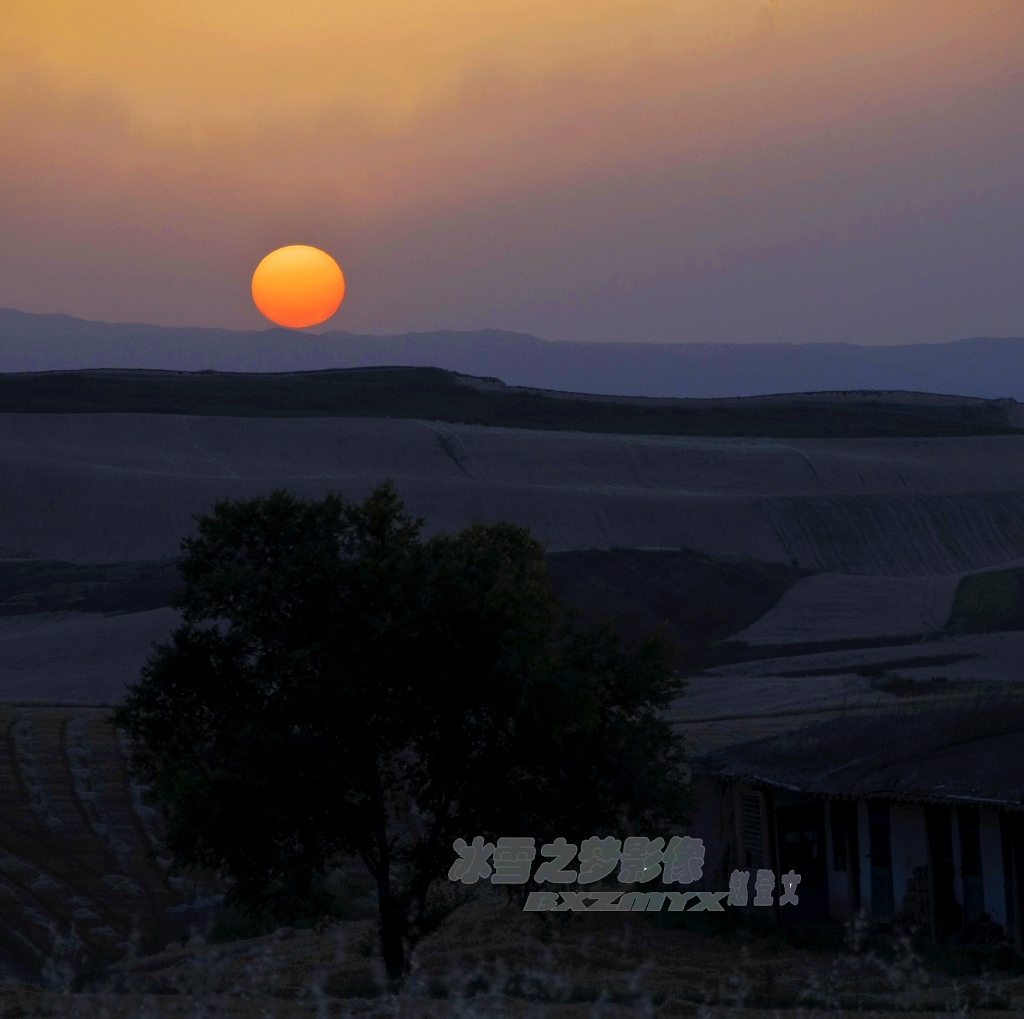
x=947 y=916
x=801 y=834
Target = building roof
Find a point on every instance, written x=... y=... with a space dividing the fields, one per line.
x=971 y=753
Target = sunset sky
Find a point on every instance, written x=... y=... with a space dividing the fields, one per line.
x=675 y=170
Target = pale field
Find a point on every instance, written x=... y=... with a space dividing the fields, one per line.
x=894 y=522
x=87 y=658
x=81 y=658
x=117 y=487
x=836 y=606
x=748 y=700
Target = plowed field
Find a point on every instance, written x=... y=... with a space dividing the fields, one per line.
x=81 y=880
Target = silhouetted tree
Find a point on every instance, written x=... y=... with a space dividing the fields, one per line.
x=341 y=686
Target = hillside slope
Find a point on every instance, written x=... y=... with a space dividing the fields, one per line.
x=79 y=635
x=436 y=395
x=107 y=488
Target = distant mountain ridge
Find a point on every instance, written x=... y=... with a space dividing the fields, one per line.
x=986 y=367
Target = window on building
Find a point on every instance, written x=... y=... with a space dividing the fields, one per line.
x=753 y=843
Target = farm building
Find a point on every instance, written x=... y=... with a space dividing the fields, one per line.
x=913 y=816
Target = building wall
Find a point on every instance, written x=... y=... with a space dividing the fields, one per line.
x=838 y=886
x=719 y=819
x=992 y=867
x=864 y=844
x=711 y=820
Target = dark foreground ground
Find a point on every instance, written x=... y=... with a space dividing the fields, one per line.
x=489 y=959
x=93 y=925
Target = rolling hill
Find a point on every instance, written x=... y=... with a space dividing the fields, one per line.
x=108 y=487
x=438 y=395
x=982 y=366
x=825 y=534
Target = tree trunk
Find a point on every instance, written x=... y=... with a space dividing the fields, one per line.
x=392 y=934
x=394 y=917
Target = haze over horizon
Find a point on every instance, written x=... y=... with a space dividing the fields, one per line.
x=986 y=367
x=748 y=171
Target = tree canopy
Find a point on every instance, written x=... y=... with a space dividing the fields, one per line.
x=340 y=686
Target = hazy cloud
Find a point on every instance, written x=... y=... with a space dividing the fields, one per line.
x=733 y=171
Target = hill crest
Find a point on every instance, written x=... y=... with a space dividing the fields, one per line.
x=436 y=394
x=985 y=367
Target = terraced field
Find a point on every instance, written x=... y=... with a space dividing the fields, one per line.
x=103 y=488
x=93 y=507
x=892 y=522
x=81 y=882
x=835 y=606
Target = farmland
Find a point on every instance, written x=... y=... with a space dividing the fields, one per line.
x=80 y=881
x=797 y=575
x=110 y=488
x=864 y=540
x=438 y=395
x=836 y=606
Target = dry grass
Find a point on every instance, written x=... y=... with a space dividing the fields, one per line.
x=492 y=960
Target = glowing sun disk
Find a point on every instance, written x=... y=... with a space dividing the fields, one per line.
x=298 y=286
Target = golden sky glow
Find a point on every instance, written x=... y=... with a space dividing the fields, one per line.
x=498 y=163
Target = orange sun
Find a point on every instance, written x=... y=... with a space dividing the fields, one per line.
x=298 y=286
